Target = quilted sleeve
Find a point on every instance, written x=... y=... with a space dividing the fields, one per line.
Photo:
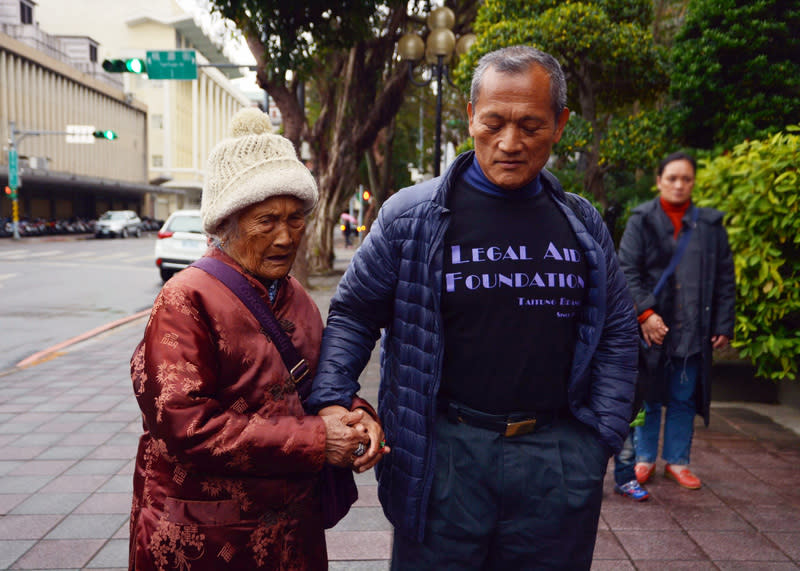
x=359 y=309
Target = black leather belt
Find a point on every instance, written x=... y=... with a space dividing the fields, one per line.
x=513 y=424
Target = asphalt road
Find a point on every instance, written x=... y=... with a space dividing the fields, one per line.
x=53 y=290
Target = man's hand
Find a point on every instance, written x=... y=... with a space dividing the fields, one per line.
x=654 y=330
x=377 y=444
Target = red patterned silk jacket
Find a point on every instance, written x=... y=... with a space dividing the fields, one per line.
x=226 y=468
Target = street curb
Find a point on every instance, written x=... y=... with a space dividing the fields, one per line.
x=50 y=352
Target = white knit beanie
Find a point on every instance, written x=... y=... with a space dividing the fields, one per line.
x=252 y=165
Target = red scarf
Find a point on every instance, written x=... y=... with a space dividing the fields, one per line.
x=675 y=213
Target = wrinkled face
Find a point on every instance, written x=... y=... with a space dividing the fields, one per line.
x=676 y=182
x=267 y=237
x=513 y=126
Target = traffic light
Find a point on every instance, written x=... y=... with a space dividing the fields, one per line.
x=8 y=190
x=365 y=196
x=108 y=134
x=132 y=65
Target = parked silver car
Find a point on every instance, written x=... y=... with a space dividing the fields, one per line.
x=181 y=241
x=122 y=223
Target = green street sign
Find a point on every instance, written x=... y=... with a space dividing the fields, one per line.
x=174 y=64
x=13 y=170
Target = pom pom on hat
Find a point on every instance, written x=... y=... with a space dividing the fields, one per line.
x=250 y=121
x=252 y=165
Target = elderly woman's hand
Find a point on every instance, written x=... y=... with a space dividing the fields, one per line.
x=343 y=433
x=369 y=433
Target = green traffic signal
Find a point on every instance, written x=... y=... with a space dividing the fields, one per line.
x=132 y=65
x=108 y=134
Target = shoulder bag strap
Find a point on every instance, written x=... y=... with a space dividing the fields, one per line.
x=676 y=257
x=296 y=365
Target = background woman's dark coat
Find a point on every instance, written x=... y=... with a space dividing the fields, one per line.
x=645 y=250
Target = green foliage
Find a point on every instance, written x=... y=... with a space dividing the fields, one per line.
x=758 y=186
x=611 y=63
x=736 y=70
x=637 y=141
x=608 y=48
x=296 y=32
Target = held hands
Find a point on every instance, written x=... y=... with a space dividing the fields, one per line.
x=345 y=430
x=654 y=330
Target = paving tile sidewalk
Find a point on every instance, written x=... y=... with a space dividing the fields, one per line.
x=69 y=427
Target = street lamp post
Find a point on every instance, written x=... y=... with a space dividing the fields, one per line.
x=437 y=52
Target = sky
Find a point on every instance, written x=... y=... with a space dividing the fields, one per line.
x=236 y=50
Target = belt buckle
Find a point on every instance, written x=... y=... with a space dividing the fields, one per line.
x=520 y=427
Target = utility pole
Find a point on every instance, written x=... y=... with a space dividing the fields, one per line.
x=13 y=176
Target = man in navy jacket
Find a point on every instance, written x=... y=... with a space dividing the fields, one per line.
x=509 y=345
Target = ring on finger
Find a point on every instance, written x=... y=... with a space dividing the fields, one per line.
x=360 y=450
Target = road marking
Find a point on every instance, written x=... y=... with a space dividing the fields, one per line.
x=143 y=259
x=28 y=254
x=43 y=254
x=6 y=277
x=116 y=255
x=12 y=253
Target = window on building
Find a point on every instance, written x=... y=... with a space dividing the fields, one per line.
x=158 y=160
x=25 y=12
x=157 y=121
x=93 y=54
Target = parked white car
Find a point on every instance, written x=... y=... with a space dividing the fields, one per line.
x=122 y=223
x=181 y=241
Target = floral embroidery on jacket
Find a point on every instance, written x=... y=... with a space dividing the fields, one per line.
x=266 y=540
x=154 y=450
x=138 y=373
x=216 y=486
x=287 y=326
x=172 y=377
x=174 y=546
x=223 y=343
x=176 y=298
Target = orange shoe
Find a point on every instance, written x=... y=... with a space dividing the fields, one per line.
x=644 y=472
x=684 y=477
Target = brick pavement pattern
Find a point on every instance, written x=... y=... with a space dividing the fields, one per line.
x=69 y=427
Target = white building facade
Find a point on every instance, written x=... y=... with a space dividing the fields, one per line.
x=177 y=121
x=41 y=92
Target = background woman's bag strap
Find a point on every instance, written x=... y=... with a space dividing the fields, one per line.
x=676 y=257
x=296 y=365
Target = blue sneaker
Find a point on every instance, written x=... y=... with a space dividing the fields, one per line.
x=632 y=490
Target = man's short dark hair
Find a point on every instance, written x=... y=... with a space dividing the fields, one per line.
x=677 y=156
x=519 y=59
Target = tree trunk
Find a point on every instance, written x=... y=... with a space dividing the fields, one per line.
x=593 y=175
x=360 y=92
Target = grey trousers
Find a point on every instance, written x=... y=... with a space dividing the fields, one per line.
x=524 y=502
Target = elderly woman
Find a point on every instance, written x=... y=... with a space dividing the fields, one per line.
x=228 y=466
